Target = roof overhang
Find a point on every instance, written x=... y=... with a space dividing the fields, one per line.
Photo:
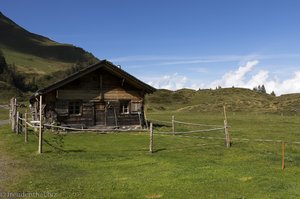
x=101 y=64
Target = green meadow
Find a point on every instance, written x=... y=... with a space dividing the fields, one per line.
x=119 y=165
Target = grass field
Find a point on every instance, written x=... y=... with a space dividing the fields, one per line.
x=3 y=114
x=120 y=166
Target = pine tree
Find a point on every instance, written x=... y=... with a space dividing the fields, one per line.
x=263 y=89
x=273 y=94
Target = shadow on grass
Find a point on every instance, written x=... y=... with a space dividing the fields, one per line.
x=181 y=148
x=158 y=150
x=75 y=151
x=65 y=151
x=161 y=125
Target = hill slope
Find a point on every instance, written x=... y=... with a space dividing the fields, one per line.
x=32 y=53
x=235 y=99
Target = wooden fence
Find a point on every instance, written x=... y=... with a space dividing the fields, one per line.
x=20 y=124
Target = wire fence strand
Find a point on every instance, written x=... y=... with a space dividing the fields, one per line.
x=95 y=130
x=194 y=124
x=189 y=132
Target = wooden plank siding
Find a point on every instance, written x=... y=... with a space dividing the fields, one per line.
x=93 y=95
x=87 y=90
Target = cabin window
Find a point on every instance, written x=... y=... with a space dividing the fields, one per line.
x=74 y=108
x=136 y=107
x=124 y=107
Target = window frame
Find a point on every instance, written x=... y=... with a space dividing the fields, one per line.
x=124 y=107
x=75 y=108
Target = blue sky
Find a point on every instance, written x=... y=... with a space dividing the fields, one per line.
x=176 y=44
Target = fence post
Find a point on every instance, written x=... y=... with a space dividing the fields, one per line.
x=13 y=114
x=173 y=124
x=282 y=160
x=25 y=128
x=10 y=111
x=145 y=116
x=151 y=138
x=227 y=138
x=20 y=123
x=17 y=123
x=226 y=134
x=40 y=128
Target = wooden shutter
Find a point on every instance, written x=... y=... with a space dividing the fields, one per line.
x=136 y=107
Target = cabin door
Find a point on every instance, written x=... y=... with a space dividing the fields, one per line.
x=100 y=118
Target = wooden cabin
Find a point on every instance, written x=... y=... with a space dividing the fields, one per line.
x=101 y=95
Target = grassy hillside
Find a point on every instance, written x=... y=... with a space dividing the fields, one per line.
x=36 y=55
x=30 y=64
x=235 y=99
x=289 y=103
x=24 y=49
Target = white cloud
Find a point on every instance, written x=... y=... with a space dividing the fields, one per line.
x=201 y=59
x=246 y=76
x=287 y=86
x=171 y=60
x=242 y=78
x=258 y=79
x=171 y=82
x=236 y=78
x=145 y=61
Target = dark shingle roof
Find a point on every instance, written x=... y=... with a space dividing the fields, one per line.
x=101 y=64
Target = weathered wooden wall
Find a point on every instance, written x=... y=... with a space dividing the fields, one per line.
x=99 y=93
x=88 y=88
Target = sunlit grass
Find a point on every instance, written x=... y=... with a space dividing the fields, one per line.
x=31 y=64
x=120 y=166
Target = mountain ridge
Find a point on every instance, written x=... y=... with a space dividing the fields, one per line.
x=15 y=39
